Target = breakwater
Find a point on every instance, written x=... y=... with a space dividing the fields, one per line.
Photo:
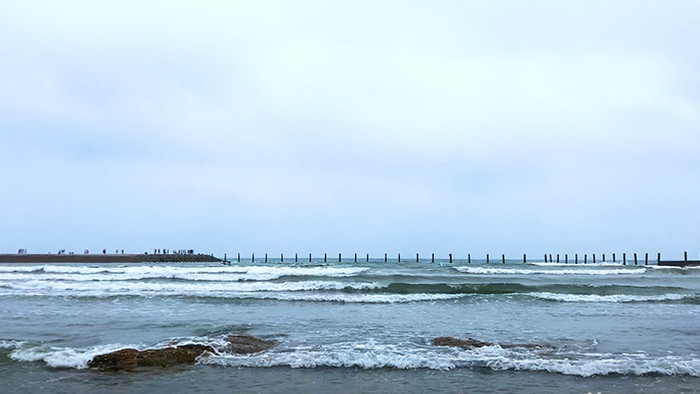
x=548 y=258
x=106 y=258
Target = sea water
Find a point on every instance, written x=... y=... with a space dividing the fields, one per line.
x=344 y=327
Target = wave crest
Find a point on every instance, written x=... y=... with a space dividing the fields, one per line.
x=521 y=271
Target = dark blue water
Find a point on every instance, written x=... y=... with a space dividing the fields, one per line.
x=356 y=326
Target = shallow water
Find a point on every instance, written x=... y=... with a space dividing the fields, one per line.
x=356 y=326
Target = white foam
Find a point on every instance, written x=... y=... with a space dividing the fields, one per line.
x=340 y=355
x=520 y=271
x=289 y=291
x=665 y=267
x=62 y=357
x=404 y=355
x=410 y=356
x=362 y=298
x=612 y=364
x=10 y=344
x=588 y=265
x=113 y=277
x=610 y=298
x=17 y=268
x=219 y=273
x=154 y=288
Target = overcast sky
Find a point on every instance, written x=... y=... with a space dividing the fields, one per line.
x=351 y=126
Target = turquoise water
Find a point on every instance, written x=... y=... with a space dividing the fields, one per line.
x=356 y=326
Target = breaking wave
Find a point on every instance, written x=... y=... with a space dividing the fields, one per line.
x=521 y=271
x=374 y=356
x=234 y=289
x=576 y=265
x=613 y=297
x=403 y=355
x=224 y=273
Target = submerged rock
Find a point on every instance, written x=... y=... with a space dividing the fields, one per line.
x=471 y=343
x=132 y=359
x=246 y=344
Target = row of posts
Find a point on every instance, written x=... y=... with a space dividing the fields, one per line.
x=547 y=258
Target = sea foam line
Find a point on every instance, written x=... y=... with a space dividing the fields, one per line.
x=202 y=291
x=611 y=297
x=221 y=274
x=492 y=357
x=577 y=265
x=519 y=271
x=62 y=357
x=404 y=355
x=153 y=288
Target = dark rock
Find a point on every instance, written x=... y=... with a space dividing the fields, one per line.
x=246 y=344
x=131 y=359
x=471 y=343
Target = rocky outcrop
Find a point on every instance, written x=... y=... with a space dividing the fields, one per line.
x=132 y=359
x=246 y=344
x=471 y=343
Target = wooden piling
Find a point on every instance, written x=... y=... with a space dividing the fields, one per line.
x=417 y=259
x=487 y=258
x=685 y=256
x=524 y=259
x=635 y=259
x=325 y=257
x=585 y=258
x=252 y=257
x=624 y=259
x=658 y=258
x=356 y=257
x=266 y=257
x=450 y=258
x=646 y=258
x=399 y=257
x=566 y=259
x=224 y=257
x=281 y=257
x=385 y=258
x=557 y=258
x=432 y=257
x=296 y=257
x=239 y=258
x=614 y=258
x=593 y=258
x=340 y=258
x=368 y=257
x=469 y=258
x=503 y=258
x=576 y=258
x=603 y=257
x=550 y=257
x=545 y=258
x=309 y=257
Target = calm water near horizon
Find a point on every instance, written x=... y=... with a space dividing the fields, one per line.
x=347 y=326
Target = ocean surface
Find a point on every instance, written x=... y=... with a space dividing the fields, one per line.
x=355 y=327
